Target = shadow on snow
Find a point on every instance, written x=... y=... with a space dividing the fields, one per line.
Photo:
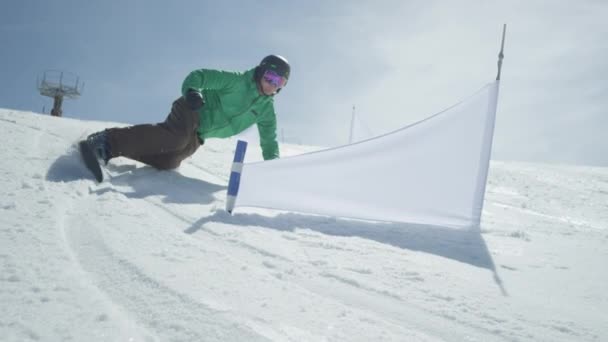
x=467 y=246
x=136 y=182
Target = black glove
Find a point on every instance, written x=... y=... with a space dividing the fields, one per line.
x=194 y=99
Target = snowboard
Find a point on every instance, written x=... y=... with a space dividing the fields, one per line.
x=90 y=160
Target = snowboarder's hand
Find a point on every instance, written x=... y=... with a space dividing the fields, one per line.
x=194 y=99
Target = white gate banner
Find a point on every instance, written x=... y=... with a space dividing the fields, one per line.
x=432 y=172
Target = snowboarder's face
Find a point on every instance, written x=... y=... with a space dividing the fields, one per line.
x=267 y=88
x=271 y=83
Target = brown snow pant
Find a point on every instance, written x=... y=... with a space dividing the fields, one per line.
x=163 y=145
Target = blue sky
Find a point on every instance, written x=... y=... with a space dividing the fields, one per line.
x=396 y=61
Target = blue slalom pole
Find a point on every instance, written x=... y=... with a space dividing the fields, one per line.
x=235 y=175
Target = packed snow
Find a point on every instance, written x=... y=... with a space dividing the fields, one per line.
x=152 y=256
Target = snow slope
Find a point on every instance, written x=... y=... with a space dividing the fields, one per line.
x=152 y=256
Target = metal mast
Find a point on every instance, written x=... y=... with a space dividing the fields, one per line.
x=59 y=84
x=501 y=54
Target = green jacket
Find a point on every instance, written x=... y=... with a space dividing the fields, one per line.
x=233 y=104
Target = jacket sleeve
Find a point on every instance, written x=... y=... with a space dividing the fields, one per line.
x=205 y=79
x=267 y=127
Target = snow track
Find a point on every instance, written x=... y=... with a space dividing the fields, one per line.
x=152 y=256
x=148 y=301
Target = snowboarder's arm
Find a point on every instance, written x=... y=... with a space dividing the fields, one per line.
x=203 y=79
x=267 y=127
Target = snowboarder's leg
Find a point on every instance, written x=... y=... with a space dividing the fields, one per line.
x=172 y=160
x=170 y=137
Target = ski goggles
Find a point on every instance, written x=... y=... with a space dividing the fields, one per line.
x=275 y=79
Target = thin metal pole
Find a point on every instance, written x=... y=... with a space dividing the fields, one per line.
x=501 y=54
x=352 y=127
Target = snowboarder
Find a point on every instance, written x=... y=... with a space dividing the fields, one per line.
x=214 y=104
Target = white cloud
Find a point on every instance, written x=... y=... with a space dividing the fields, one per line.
x=400 y=62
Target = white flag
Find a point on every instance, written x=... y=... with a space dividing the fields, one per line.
x=432 y=172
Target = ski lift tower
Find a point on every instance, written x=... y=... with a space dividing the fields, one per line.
x=59 y=84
